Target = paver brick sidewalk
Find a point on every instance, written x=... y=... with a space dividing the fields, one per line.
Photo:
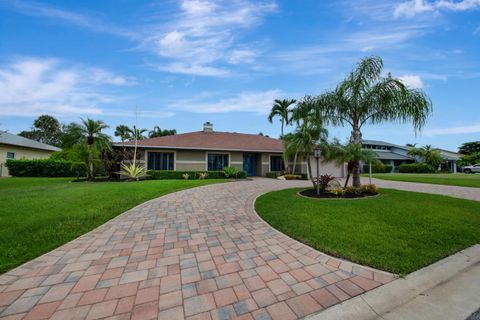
x=201 y=253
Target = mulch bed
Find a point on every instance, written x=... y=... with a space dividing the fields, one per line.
x=312 y=193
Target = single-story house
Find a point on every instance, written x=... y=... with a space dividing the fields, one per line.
x=208 y=150
x=395 y=155
x=389 y=153
x=16 y=147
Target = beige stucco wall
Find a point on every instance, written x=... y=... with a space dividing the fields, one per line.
x=20 y=153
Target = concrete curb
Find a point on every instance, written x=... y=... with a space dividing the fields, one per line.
x=373 y=304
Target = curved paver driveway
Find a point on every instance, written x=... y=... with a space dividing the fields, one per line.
x=201 y=253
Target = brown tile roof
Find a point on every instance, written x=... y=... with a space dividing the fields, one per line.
x=227 y=141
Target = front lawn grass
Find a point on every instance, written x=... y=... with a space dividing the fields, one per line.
x=457 y=179
x=40 y=214
x=398 y=231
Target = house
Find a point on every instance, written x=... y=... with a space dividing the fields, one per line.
x=208 y=150
x=389 y=153
x=395 y=155
x=16 y=147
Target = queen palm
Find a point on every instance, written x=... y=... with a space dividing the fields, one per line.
x=281 y=109
x=366 y=97
x=428 y=155
x=88 y=132
x=123 y=132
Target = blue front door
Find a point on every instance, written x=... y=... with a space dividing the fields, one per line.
x=249 y=163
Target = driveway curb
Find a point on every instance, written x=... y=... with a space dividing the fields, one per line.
x=380 y=301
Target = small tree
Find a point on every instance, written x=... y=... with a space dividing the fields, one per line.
x=158 y=132
x=89 y=133
x=427 y=154
x=469 y=147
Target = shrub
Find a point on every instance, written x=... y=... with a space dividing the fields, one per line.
x=185 y=176
x=324 y=180
x=231 y=172
x=369 y=188
x=377 y=168
x=292 y=177
x=171 y=174
x=45 y=168
x=203 y=175
x=133 y=171
x=416 y=168
x=338 y=191
x=272 y=174
x=352 y=190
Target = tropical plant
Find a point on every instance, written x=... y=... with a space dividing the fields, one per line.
x=369 y=188
x=351 y=153
x=133 y=171
x=231 y=172
x=203 y=175
x=158 y=132
x=469 y=159
x=281 y=109
x=46 y=129
x=324 y=181
x=89 y=133
x=136 y=133
x=123 y=132
x=427 y=154
x=366 y=97
x=185 y=176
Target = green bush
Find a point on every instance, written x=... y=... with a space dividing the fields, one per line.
x=45 y=168
x=272 y=174
x=377 y=168
x=231 y=172
x=416 y=168
x=170 y=174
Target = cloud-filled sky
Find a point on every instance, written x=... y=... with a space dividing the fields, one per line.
x=183 y=62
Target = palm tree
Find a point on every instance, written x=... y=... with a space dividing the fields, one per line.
x=351 y=153
x=428 y=155
x=137 y=134
x=89 y=132
x=158 y=132
x=124 y=132
x=280 y=109
x=365 y=97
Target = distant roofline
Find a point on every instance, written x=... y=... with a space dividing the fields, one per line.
x=7 y=138
x=195 y=148
x=380 y=142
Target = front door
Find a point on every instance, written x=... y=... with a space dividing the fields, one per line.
x=249 y=163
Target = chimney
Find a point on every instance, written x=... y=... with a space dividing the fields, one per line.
x=207 y=127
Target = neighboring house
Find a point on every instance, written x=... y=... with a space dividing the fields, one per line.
x=16 y=147
x=389 y=153
x=395 y=155
x=450 y=159
x=210 y=150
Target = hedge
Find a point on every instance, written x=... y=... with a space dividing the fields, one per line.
x=46 y=168
x=377 y=168
x=272 y=174
x=416 y=168
x=170 y=174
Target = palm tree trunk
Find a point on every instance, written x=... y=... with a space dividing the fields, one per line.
x=285 y=162
x=356 y=138
x=90 y=162
x=294 y=162
x=346 y=180
x=309 y=167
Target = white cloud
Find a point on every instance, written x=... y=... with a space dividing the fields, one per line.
x=30 y=87
x=474 y=128
x=414 y=7
x=204 y=34
x=412 y=81
x=257 y=102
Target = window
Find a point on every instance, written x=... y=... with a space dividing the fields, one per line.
x=160 y=160
x=217 y=161
x=10 y=155
x=276 y=163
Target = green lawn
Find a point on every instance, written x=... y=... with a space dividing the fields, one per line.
x=40 y=214
x=457 y=179
x=398 y=231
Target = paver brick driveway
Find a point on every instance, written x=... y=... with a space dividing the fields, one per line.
x=201 y=253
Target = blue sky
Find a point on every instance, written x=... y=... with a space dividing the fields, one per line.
x=184 y=62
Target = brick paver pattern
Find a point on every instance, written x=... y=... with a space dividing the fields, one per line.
x=201 y=253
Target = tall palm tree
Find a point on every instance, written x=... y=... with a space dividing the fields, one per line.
x=281 y=109
x=365 y=97
x=137 y=133
x=427 y=154
x=88 y=132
